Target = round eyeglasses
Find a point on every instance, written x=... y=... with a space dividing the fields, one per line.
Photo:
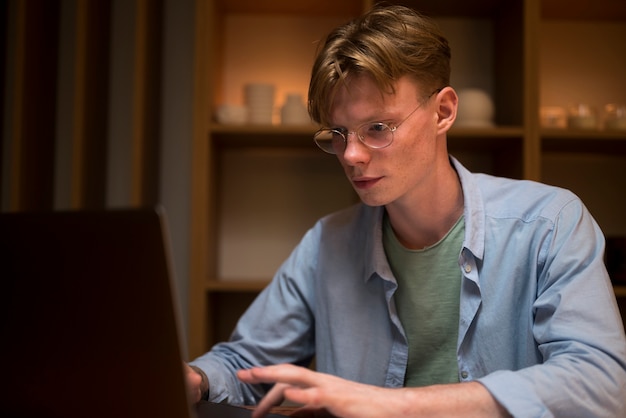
x=374 y=135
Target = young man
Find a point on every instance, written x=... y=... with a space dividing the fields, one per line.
x=445 y=293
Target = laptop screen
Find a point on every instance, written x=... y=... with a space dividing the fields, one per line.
x=88 y=320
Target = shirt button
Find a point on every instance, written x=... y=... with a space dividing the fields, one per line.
x=468 y=268
x=464 y=375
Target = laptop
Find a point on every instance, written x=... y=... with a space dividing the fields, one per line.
x=89 y=322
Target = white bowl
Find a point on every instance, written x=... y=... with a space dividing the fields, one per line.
x=232 y=114
x=475 y=108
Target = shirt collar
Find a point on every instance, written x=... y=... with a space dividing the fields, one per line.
x=473 y=210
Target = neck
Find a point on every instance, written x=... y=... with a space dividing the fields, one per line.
x=427 y=218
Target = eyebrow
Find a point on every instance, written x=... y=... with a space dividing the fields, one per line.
x=378 y=119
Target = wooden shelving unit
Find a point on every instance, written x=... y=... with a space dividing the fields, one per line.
x=517 y=147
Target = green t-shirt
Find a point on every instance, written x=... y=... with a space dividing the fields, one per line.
x=427 y=300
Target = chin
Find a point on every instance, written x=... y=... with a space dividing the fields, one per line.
x=373 y=201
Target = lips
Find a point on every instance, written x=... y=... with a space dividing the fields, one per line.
x=365 y=182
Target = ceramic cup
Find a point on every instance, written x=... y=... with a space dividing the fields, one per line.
x=259 y=98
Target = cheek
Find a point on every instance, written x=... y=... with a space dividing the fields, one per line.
x=413 y=159
x=411 y=151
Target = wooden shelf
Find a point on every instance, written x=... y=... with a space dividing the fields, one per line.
x=248 y=129
x=620 y=291
x=496 y=138
x=494 y=132
x=582 y=133
x=263 y=136
x=571 y=140
x=223 y=129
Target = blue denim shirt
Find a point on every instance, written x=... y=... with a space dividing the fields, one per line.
x=539 y=326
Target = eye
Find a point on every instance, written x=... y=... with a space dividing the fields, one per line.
x=376 y=130
x=338 y=134
x=378 y=127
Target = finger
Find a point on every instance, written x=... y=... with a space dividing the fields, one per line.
x=193 y=381
x=245 y=375
x=283 y=373
x=193 y=378
x=273 y=398
x=300 y=396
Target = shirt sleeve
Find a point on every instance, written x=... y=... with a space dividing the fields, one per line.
x=278 y=327
x=577 y=328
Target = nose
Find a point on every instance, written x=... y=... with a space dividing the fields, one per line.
x=356 y=152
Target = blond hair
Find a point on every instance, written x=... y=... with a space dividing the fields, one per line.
x=386 y=43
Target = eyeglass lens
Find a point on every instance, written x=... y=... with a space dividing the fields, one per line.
x=374 y=135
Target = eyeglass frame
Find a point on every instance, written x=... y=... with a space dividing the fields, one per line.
x=360 y=137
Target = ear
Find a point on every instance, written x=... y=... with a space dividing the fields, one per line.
x=447 y=102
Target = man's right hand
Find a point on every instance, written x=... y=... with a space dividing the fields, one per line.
x=197 y=383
